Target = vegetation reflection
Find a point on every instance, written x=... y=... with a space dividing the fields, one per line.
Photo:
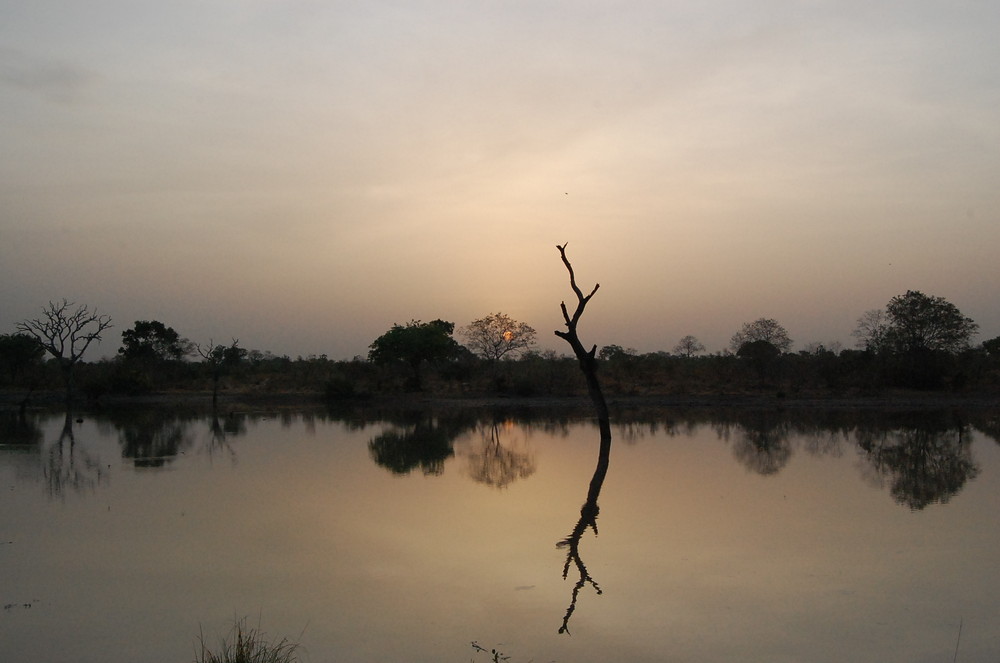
x=419 y=440
x=497 y=462
x=923 y=462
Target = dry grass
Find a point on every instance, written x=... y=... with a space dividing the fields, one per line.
x=245 y=644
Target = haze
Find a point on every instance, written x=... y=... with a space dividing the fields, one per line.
x=301 y=175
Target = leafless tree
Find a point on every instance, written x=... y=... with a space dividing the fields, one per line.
x=590 y=508
x=220 y=359
x=762 y=329
x=689 y=346
x=66 y=332
x=498 y=335
x=872 y=330
x=587 y=358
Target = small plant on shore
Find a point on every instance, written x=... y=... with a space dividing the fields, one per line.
x=496 y=656
x=246 y=644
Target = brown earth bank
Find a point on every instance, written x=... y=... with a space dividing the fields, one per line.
x=237 y=401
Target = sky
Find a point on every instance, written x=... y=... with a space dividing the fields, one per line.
x=301 y=175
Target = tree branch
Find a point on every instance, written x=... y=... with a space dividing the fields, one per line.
x=581 y=300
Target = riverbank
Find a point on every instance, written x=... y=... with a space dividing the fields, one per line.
x=232 y=401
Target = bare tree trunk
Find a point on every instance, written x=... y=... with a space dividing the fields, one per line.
x=587 y=359
x=590 y=508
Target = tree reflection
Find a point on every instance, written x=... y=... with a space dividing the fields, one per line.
x=423 y=441
x=152 y=438
x=588 y=520
x=923 y=464
x=68 y=465
x=496 y=464
x=220 y=431
x=18 y=430
x=762 y=443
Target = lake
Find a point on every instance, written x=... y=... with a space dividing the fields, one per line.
x=750 y=535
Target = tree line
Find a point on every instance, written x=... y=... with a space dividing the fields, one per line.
x=916 y=341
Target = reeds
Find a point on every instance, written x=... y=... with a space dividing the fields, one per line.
x=246 y=644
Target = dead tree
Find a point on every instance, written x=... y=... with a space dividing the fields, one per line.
x=587 y=358
x=66 y=333
x=590 y=509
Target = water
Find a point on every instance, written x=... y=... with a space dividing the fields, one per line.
x=721 y=536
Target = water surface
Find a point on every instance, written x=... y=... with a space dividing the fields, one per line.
x=720 y=536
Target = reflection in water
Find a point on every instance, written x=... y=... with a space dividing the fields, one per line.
x=921 y=458
x=19 y=431
x=761 y=443
x=153 y=439
x=496 y=464
x=220 y=430
x=68 y=465
x=923 y=464
x=421 y=440
x=588 y=519
x=855 y=577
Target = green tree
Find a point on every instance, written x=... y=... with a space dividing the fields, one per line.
x=498 y=335
x=65 y=333
x=762 y=329
x=150 y=354
x=414 y=344
x=918 y=322
x=152 y=341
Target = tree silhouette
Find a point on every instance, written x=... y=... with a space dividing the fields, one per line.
x=919 y=322
x=66 y=333
x=688 y=346
x=220 y=359
x=413 y=344
x=586 y=358
x=151 y=341
x=762 y=329
x=497 y=336
x=20 y=354
x=590 y=509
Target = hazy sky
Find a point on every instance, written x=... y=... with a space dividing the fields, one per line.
x=303 y=174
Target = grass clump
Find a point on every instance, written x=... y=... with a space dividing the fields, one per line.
x=246 y=644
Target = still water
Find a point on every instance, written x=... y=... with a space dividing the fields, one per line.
x=715 y=536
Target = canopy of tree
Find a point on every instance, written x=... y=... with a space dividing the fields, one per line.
x=763 y=329
x=152 y=341
x=413 y=344
x=498 y=335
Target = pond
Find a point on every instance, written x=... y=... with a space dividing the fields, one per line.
x=442 y=535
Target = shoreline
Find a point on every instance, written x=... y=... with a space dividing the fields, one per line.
x=47 y=401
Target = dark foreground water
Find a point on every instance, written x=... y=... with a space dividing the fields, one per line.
x=720 y=536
